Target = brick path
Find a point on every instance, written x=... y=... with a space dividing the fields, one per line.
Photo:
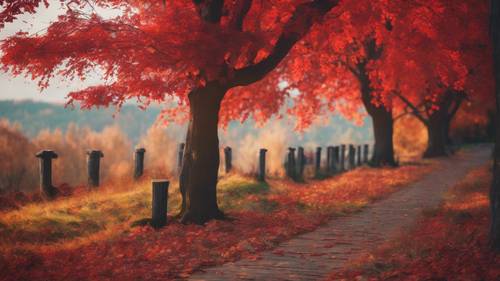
x=313 y=255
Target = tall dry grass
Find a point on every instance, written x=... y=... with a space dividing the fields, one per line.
x=161 y=152
x=19 y=170
x=17 y=159
x=246 y=150
x=72 y=145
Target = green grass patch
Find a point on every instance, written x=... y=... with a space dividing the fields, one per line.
x=100 y=211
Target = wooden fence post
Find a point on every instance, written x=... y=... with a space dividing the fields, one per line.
x=291 y=165
x=180 y=157
x=93 y=166
x=317 y=170
x=342 y=157
x=329 y=152
x=301 y=161
x=262 y=164
x=359 y=156
x=228 y=156
x=352 y=155
x=366 y=152
x=159 y=203
x=139 y=163
x=46 y=187
x=336 y=159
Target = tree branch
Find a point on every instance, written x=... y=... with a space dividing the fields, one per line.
x=349 y=67
x=414 y=109
x=403 y=114
x=210 y=10
x=242 y=7
x=373 y=52
x=461 y=96
x=296 y=28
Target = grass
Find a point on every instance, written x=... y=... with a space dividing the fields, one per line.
x=80 y=218
x=82 y=227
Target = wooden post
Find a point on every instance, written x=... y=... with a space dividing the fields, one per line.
x=352 y=155
x=159 y=203
x=301 y=161
x=291 y=165
x=180 y=157
x=336 y=159
x=46 y=187
x=228 y=155
x=342 y=157
x=366 y=152
x=139 y=163
x=329 y=152
x=359 y=156
x=318 y=162
x=262 y=164
x=93 y=166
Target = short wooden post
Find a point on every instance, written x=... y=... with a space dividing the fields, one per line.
x=262 y=164
x=46 y=187
x=228 y=155
x=159 y=203
x=291 y=164
x=336 y=159
x=342 y=157
x=365 y=153
x=139 y=163
x=301 y=161
x=329 y=152
x=317 y=167
x=352 y=156
x=180 y=156
x=93 y=166
x=359 y=156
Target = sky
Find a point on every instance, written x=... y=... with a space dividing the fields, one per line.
x=22 y=88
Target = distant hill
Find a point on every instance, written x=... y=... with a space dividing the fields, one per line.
x=36 y=116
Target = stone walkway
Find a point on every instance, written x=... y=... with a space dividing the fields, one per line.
x=313 y=255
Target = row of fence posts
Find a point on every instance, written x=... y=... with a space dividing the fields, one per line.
x=93 y=168
x=335 y=163
x=335 y=160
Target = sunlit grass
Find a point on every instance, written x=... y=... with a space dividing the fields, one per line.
x=103 y=213
x=76 y=217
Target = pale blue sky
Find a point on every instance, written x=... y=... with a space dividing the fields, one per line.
x=21 y=88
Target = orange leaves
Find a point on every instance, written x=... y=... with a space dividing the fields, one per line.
x=449 y=243
x=178 y=250
x=155 y=52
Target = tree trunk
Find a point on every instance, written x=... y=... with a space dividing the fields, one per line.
x=495 y=187
x=383 y=123
x=198 y=179
x=437 y=135
x=447 y=131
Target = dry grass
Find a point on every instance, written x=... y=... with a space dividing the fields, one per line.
x=109 y=212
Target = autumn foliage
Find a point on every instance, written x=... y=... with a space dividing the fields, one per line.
x=448 y=243
x=89 y=236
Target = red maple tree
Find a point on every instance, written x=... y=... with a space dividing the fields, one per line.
x=192 y=52
x=397 y=57
x=225 y=60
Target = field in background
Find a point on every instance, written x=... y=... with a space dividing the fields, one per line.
x=20 y=172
